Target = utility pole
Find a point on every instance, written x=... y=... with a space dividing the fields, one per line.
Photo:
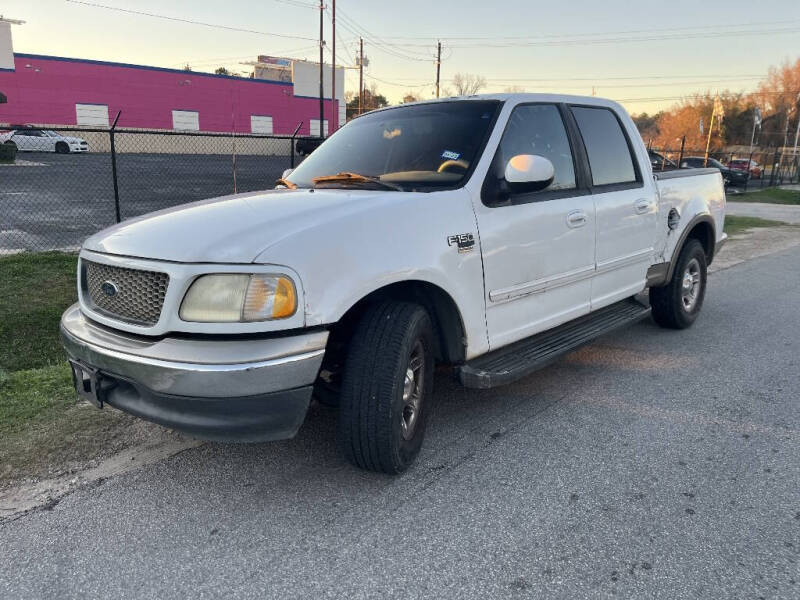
x=756 y=123
x=321 y=90
x=335 y=119
x=438 y=65
x=797 y=131
x=360 y=75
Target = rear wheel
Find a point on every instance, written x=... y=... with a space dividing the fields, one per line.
x=62 y=148
x=387 y=381
x=677 y=304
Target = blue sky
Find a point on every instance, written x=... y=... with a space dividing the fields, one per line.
x=573 y=46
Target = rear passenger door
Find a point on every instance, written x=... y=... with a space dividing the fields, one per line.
x=625 y=205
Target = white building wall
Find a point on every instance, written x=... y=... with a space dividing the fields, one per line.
x=6 y=47
x=305 y=76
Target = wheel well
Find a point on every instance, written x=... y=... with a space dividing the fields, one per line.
x=447 y=322
x=703 y=232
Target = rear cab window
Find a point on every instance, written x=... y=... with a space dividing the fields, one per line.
x=608 y=148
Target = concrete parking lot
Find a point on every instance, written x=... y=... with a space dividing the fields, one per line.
x=651 y=464
x=58 y=200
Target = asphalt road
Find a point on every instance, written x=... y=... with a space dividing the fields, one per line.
x=61 y=199
x=651 y=464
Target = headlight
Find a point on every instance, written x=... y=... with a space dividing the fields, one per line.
x=235 y=298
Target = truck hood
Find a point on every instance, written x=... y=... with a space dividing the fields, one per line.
x=231 y=229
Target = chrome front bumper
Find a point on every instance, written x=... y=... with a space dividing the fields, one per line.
x=239 y=389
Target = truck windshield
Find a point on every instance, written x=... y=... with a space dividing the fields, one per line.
x=415 y=148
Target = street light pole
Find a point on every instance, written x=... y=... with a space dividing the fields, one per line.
x=335 y=119
x=438 y=65
x=321 y=90
x=797 y=131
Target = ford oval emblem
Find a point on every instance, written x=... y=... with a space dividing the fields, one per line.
x=109 y=288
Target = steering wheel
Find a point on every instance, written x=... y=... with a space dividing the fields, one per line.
x=452 y=163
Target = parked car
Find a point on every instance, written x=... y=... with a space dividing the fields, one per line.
x=305 y=146
x=43 y=140
x=660 y=162
x=491 y=233
x=741 y=164
x=729 y=176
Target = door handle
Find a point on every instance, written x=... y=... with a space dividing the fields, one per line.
x=642 y=206
x=577 y=218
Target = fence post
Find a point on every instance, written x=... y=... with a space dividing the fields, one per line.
x=774 y=165
x=114 y=165
x=291 y=145
x=683 y=146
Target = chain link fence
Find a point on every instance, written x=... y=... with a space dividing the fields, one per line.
x=742 y=170
x=69 y=183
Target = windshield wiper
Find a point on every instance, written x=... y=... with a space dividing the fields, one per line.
x=356 y=178
x=286 y=183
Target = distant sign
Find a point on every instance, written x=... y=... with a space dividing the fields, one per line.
x=701 y=125
x=274 y=60
x=757 y=116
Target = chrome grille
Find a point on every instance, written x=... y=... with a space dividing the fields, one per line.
x=130 y=294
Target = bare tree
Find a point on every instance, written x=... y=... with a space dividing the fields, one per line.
x=411 y=97
x=467 y=84
x=514 y=89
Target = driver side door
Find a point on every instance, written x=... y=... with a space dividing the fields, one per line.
x=538 y=247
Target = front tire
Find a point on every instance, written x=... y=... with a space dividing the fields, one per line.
x=386 y=385
x=62 y=148
x=677 y=304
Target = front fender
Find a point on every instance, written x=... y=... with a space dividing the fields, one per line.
x=403 y=237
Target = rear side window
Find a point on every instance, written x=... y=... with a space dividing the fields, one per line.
x=606 y=145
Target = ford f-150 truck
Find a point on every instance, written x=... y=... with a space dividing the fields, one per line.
x=489 y=233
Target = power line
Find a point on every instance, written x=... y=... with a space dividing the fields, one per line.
x=624 y=40
x=190 y=21
x=353 y=27
x=714 y=28
x=612 y=78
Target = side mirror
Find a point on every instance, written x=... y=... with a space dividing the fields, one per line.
x=529 y=173
x=286 y=173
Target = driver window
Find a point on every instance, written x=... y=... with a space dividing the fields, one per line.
x=539 y=129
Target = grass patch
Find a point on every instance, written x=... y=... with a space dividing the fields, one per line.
x=735 y=225
x=769 y=195
x=45 y=429
x=34 y=290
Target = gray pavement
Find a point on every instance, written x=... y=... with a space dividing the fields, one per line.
x=651 y=464
x=787 y=213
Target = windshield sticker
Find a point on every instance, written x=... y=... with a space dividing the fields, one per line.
x=388 y=135
x=449 y=154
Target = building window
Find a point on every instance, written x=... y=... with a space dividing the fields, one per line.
x=95 y=115
x=186 y=120
x=261 y=124
x=315 y=127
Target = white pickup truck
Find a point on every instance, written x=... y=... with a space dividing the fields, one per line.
x=490 y=233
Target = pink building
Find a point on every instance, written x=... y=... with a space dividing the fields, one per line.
x=48 y=90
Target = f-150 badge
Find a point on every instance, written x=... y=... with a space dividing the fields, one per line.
x=464 y=241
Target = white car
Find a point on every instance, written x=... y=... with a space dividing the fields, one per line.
x=492 y=234
x=43 y=140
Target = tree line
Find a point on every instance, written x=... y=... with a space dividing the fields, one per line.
x=777 y=99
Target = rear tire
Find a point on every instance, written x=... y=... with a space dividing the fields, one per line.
x=387 y=381
x=677 y=304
